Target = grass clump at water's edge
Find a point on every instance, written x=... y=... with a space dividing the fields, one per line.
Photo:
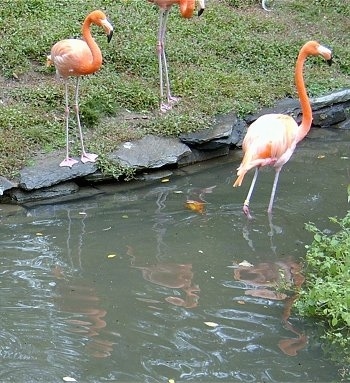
x=326 y=292
x=235 y=57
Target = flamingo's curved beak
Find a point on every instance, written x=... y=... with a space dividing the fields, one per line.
x=326 y=53
x=201 y=7
x=108 y=27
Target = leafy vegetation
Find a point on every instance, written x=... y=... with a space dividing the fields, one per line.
x=235 y=57
x=326 y=293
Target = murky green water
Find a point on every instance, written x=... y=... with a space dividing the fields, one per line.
x=130 y=285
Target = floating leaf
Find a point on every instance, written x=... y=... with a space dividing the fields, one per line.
x=196 y=206
x=111 y=255
x=245 y=264
x=68 y=379
x=211 y=324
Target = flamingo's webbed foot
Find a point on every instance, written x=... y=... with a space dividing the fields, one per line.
x=246 y=211
x=173 y=100
x=88 y=157
x=69 y=162
x=166 y=106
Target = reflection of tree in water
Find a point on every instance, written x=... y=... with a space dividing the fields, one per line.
x=262 y=281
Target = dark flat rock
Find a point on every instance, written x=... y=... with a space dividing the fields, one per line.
x=150 y=152
x=47 y=172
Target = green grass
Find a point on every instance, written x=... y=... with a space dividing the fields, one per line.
x=235 y=57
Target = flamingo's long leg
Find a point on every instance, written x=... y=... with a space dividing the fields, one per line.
x=250 y=192
x=273 y=191
x=163 y=64
x=85 y=157
x=67 y=161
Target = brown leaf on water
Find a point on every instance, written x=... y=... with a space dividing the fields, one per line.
x=196 y=206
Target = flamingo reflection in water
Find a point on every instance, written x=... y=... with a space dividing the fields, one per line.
x=166 y=274
x=262 y=280
x=171 y=276
x=78 y=296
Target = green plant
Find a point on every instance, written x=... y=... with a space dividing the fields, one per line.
x=115 y=170
x=326 y=292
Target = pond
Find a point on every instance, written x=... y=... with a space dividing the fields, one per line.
x=129 y=284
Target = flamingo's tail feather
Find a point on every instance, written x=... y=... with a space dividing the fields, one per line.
x=239 y=179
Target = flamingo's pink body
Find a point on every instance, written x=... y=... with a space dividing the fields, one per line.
x=74 y=57
x=272 y=138
x=186 y=8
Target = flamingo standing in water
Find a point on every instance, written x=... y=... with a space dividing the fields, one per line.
x=272 y=138
x=75 y=57
x=186 y=8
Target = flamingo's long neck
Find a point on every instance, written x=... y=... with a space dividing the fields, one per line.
x=96 y=62
x=187 y=8
x=306 y=110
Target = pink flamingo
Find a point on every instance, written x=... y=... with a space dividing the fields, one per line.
x=272 y=138
x=186 y=9
x=75 y=57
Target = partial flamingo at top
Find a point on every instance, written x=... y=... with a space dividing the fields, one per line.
x=79 y=57
x=187 y=8
x=272 y=138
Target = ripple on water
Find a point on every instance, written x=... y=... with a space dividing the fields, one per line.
x=31 y=371
x=11 y=347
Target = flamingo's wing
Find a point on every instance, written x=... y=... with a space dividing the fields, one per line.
x=270 y=140
x=71 y=57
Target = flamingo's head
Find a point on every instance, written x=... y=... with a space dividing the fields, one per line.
x=314 y=48
x=99 y=18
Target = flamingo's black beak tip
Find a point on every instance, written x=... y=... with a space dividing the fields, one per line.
x=109 y=36
x=200 y=11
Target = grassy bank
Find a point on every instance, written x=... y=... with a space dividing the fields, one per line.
x=235 y=57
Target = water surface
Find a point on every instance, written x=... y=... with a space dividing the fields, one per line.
x=130 y=285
